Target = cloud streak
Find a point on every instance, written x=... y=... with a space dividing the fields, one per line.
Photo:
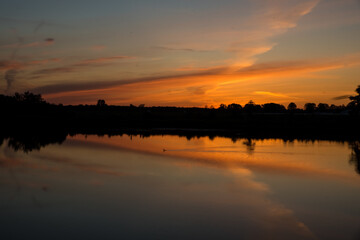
x=280 y=19
x=180 y=49
x=38 y=24
x=271 y=94
x=46 y=42
x=82 y=64
x=341 y=97
x=69 y=87
x=11 y=64
x=7 y=65
x=98 y=47
x=12 y=68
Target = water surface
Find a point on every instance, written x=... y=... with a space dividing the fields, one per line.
x=170 y=187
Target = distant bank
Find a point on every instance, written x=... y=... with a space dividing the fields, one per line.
x=27 y=112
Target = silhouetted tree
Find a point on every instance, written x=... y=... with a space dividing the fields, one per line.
x=356 y=98
x=234 y=106
x=333 y=107
x=273 y=108
x=292 y=106
x=101 y=103
x=336 y=109
x=222 y=106
x=252 y=107
x=323 y=107
x=355 y=101
x=310 y=107
x=28 y=98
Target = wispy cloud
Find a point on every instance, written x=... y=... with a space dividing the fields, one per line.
x=98 y=85
x=11 y=64
x=98 y=47
x=249 y=38
x=12 y=68
x=272 y=94
x=81 y=64
x=288 y=67
x=37 y=23
x=102 y=60
x=43 y=61
x=46 y=42
x=192 y=68
x=280 y=19
x=180 y=49
x=271 y=19
x=7 y=65
x=341 y=97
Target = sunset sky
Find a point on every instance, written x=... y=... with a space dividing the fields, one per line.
x=181 y=52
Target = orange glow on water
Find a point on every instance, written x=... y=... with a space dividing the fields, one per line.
x=268 y=156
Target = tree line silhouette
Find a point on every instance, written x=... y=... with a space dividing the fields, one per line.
x=27 y=111
x=29 y=99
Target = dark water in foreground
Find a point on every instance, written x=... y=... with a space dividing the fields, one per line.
x=173 y=188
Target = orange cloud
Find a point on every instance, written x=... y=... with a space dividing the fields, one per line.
x=271 y=94
x=290 y=67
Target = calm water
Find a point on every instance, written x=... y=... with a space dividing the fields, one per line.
x=168 y=187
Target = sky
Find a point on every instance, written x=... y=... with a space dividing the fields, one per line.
x=190 y=53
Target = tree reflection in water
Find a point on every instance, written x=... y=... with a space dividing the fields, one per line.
x=250 y=145
x=355 y=155
x=29 y=142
